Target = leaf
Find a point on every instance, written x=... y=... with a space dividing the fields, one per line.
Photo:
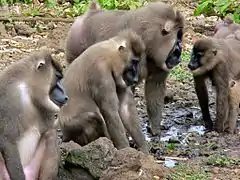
x=202 y=8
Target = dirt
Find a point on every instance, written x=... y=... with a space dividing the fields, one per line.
x=181 y=111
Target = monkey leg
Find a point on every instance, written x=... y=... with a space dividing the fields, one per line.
x=85 y=128
x=32 y=169
x=222 y=105
x=231 y=123
x=49 y=163
x=202 y=94
x=129 y=118
x=155 y=88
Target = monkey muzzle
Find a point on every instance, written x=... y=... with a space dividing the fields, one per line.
x=174 y=56
x=194 y=63
x=58 y=95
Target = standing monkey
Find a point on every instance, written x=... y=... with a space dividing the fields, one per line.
x=219 y=60
x=161 y=28
x=30 y=96
x=98 y=84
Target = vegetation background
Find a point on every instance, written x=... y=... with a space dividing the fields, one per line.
x=201 y=15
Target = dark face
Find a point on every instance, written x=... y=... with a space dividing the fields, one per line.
x=57 y=92
x=131 y=73
x=174 y=56
x=195 y=61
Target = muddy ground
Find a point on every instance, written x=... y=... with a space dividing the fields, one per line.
x=181 y=112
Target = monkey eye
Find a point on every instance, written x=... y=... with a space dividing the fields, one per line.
x=199 y=54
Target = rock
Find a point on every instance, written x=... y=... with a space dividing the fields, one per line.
x=95 y=157
x=71 y=172
x=215 y=170
x=3 y=32
x=23 y=29
x=103 y=161
x=169 y=97
x=131 y=164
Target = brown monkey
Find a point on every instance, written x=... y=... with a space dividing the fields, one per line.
x=30 y=96
x=234 y=100
x=161 y=28
x=227 y=29
x=219 y=60
x=98 y=84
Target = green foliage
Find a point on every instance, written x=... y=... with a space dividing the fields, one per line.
x=219 y=7
x=80 y=6
x=4 y=2
x=181 y=71
x=217 y=160
x=186 y=172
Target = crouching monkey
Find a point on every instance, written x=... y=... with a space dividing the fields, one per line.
x=98 y=83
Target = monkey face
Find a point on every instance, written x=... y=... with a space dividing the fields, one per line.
x=196 y=57
x=165 y=47
x=49 y=73
x=174 y=56
x=203 y=57
x=131 y=72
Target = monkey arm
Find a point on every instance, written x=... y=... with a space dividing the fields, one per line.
x=202 y=94
x=129 y=118
x=155 y=88
x=108 y=104
x=12 y=159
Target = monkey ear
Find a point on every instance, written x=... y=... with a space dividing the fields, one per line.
x=214 y=51
x=40 y=64
x=122 y=45
x=232 y=83
x=168 y=26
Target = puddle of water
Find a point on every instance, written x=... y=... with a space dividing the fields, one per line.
x=199 y=129
x=170 y=163
x=172 y=133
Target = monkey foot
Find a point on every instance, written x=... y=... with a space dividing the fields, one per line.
x=155 y=131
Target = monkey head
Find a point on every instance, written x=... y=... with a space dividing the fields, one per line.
x=132 y=52
x=203 y=57
x=48 y=92
x=163 y=36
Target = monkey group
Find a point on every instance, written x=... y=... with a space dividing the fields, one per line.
x=108 y=53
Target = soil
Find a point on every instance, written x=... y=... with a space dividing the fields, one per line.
x=181 y=111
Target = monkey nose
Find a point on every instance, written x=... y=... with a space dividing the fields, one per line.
x=66 y=99
x=191 y=67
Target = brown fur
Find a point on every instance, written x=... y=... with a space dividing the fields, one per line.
x=27 y=134
x=97 y=105
x=234 y=100
x=227 y=29
x=220 y=61
x=157 y=23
